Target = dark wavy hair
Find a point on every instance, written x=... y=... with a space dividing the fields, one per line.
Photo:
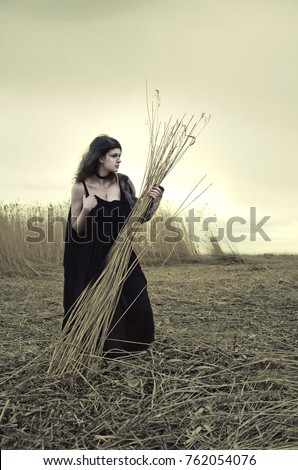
x=99 y=147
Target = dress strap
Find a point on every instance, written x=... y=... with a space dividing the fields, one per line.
x=86 y=190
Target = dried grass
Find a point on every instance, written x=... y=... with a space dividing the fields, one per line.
x=29 y=240
x=221 y=374
x=18 y=256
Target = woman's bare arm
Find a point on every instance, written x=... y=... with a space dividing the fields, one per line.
x=80 y=207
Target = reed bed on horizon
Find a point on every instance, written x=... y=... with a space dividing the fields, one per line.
x=31 y=236
x=82 y=340
x=26 y=252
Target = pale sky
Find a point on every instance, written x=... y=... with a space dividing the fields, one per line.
x=73 y=69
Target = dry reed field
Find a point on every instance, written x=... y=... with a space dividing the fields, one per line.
x=222 y=373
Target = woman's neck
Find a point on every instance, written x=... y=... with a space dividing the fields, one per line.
x=103 y=176
x=103 y=180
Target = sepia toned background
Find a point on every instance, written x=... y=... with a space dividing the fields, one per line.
x=219 y=374
x=72 y=69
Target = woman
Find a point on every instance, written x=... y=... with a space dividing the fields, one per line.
x=101 y=200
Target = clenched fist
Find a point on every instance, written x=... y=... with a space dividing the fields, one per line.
x=89 y=202
x=154 y=192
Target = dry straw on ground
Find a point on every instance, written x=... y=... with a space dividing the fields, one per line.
x=220 y=375
x=82 y=341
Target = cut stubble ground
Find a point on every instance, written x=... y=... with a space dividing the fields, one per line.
x=222 y=373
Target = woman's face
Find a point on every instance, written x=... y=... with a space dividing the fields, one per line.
x=111 y=160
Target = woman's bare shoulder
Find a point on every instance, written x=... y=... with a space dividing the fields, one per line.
x=77 y=189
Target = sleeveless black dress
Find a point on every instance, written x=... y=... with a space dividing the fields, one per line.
x=84 y=260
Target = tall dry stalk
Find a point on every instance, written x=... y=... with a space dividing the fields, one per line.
x=90 y=319
x=29 y=238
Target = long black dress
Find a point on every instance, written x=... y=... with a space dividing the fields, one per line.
x=84 y=260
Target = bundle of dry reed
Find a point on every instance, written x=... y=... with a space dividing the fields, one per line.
x=92 y=313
